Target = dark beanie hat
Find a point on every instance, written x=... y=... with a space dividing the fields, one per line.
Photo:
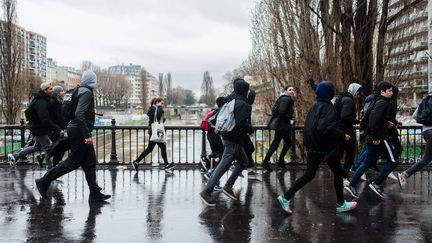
x=241 y=87
x=325 y=90
x=220 y=101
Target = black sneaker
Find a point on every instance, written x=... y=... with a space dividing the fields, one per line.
x=229 y=192
x=41 y=188
x=266 y=167
x=170 y=166
x=206 y=198
x=98 y=197
x=135 y=165
x=352 y=190
x=377 y=189
x=39 y=159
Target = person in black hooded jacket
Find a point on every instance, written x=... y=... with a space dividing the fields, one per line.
x=346 y=113
x=321 y=135
x=233 y=144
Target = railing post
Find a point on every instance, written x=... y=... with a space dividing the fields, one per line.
x=23 y=129
x=113 y=156
x=203 y=145
x=293 y=145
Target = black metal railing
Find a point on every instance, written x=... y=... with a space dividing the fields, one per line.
x=186 y=144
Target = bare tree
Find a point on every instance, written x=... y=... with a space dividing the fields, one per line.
x=113 y=89
x=11 y=63
x=207 y=90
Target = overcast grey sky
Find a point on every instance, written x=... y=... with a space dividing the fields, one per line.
x=184 y=37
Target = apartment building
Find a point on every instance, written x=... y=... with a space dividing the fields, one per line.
x=407 y=45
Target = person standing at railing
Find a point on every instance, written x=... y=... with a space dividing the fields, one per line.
x=427 y=136
x=247 y=143
x=321 y=135
x=82 y=151
x=281 y=121
x=233 y=144
x=41 y=117
x=155 y=114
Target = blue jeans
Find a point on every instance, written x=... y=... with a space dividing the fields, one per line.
x=360 y=159
x=385 y=149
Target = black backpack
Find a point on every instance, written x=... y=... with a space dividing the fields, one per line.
x=364 y=115
x=337 y=105
x=424 y=112
x=30 y=112
x=70 y=102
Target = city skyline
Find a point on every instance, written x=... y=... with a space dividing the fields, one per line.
x=184 y=38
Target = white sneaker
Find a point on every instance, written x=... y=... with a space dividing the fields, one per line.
x=392 y=176
x=363 y=177
x=346 y=182
x=11 y=160
x=402 y=180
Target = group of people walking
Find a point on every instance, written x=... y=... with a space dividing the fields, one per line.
x=328 y=135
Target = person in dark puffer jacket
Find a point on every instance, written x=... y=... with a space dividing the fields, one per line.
x=233 y=144
x=321 y=135
x=43 y=125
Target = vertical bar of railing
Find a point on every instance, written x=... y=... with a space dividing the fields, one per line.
x=23 y=129
x=123 y=147
x=203 y=145
x=193 y=147
x=187 y=145
x=113 y=155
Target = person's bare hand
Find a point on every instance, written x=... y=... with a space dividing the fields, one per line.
x=376 y=142
x=347 y=137
x=89 y=140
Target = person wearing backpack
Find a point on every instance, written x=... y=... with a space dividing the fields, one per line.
x=281 y=121
x=155 y=114
x=82 y=152
x=378 y=144
x=41 y=116
x=214 y=140
x=321 y=135
x=233 y=122
x=423 y=115
x=346 y=114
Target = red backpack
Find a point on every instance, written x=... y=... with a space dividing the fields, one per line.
x=205 y=123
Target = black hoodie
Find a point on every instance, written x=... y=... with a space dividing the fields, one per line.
x=43 y=123
x=242 y=113
x=346 y=112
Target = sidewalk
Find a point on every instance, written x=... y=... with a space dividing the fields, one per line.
x=152 y=206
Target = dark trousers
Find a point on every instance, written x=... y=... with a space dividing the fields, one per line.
x=232 y=151
x=249 y=148
x=313 y=161
x=427 y=157
x=58 y=149
x=150 y=148
x=286 y=136
x=348 y=148
x=385 y=149
x=81 y=154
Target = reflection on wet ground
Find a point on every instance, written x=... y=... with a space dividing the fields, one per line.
x=151 y=206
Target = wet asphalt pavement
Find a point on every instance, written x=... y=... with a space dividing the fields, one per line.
x=152 y=206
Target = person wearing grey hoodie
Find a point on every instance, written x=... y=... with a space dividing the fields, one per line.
x=346 y=115
x=82 y=151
